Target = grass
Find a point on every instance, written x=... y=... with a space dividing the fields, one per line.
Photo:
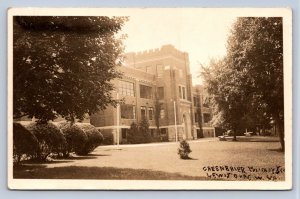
x=161 y=162
x=80 y=172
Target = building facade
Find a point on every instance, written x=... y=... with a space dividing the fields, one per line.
x=157 y=85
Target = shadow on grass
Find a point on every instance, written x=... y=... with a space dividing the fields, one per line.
x=29 y=166
x=253 y=139
x=277 y=150
x=76 y=172
x=189 y=158
x=96 y=155
x=81 y=157
x=113 y=149
x=56 y=161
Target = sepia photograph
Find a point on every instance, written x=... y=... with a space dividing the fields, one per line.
x=150 y=98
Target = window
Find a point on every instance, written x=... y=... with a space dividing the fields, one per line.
x=126 y=88
x=163 y=131
x=182 y=92
x=205 y=102
x=206 y=117
x=124 y=133
x=150 y=113
x=160 y=70
x=196 y=117
x=162 y=113
x=160 y=92
x=145 y=92
x=143 y=111
x=127 y=111
x=196 y=101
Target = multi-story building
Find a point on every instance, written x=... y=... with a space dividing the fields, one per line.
x=161 y=76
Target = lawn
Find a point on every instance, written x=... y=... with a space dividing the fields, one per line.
x=161 y=162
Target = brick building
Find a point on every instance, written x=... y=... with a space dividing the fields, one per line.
x=161 y=76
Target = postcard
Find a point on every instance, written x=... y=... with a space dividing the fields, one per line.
x=150 y=98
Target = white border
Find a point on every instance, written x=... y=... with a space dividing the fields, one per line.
x=158 y=184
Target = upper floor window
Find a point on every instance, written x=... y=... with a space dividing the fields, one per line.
x=143 y=112
x=127 y=111
x=205 y=101
x=196 y=101
x=150 y=113
x=145 y=92
x=196 y=117
x=182 y=92
x=126 y=88
x=160 y=93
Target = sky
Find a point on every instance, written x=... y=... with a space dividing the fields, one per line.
x=202 y=34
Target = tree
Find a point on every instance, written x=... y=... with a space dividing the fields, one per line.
x=256 y=47
x=63 y=65
x=251 y=74
x=184 y=150
x=228 y=101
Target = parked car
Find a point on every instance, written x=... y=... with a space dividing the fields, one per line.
x=229 y=133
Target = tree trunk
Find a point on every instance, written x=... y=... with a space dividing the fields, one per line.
x=234 y=135
x=281 y=134
x=280 y=126
x=72 y=120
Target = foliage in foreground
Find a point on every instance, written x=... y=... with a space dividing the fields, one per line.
x=81 y=138
x=39 y=141
x=50 y=140
x=94 y=139
x=246 y=86
x=63 y=65
x=24 y=143
x=76 y=138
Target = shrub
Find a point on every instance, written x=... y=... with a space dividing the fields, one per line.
x=144 y=130
x=94 y=139
x=184 y=149
x=139 y=133
x=134 y=136
x=24 y=142
x=108 y=138
x=76 y=138
x=50 y=139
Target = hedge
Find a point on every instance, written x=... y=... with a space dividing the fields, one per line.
x=50 y=139
x=95 y=138
x=75 y=137
x=24 y=143
x=81 y=138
